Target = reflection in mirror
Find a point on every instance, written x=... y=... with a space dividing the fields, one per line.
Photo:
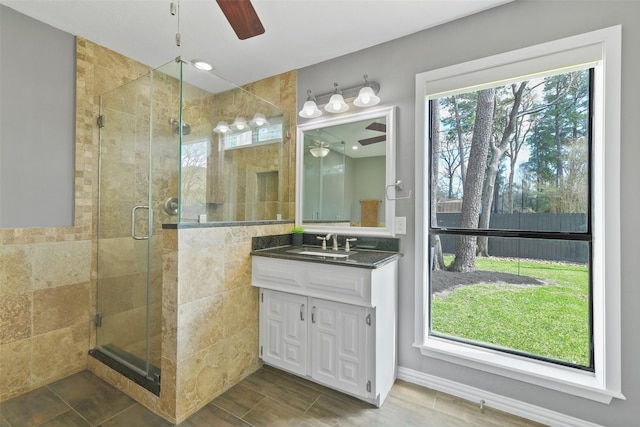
x=344 y=165
x=234 y=155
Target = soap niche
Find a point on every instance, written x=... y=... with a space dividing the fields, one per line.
x=267 y=184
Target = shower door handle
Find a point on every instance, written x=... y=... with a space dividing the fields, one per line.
x=133 y=221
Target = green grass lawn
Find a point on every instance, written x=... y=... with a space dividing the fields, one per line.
x=551 y=321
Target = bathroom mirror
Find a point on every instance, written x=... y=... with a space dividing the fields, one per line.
x=345 y=167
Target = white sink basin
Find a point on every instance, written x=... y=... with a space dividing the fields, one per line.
x=327 y=254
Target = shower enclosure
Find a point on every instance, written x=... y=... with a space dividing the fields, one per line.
x=164 y=162
x=139 y=167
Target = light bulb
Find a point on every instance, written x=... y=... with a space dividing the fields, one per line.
x=221 y=127
x=366 y=98
x=309 y=110
x=258 y=120
x=202 y=65
x=336 y=104
x=239 y=124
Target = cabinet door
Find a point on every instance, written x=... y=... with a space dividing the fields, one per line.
x=340 y=337
x=283 y=330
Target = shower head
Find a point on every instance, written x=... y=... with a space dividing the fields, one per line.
x=186 y=129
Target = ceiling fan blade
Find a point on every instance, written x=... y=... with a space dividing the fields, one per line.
x=380 y=127
x=242 y=17
x=373 y=140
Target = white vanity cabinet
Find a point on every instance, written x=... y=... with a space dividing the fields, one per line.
x=283 y=330
x=335 y=325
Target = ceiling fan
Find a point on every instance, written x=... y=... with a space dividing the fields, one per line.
x=243 y=18
x=378 y=127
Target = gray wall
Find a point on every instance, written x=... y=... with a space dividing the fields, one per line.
x=37 y=123
x=508 y=27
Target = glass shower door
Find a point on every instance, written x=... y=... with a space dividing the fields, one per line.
x=129 y=269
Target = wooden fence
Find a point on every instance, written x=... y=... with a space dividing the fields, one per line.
x=553 y=250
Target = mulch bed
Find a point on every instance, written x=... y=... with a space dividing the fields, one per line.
x=442 y=281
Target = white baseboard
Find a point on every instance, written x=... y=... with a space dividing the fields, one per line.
x=492 y=400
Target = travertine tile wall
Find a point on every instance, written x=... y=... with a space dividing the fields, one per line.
x=210 y=311
x=210 y=315
x=46 y=279
x=234 y=187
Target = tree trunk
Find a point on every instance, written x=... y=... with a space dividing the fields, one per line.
x=465 y=259
x=459 y=133
x=497 y=151
x=438 y=259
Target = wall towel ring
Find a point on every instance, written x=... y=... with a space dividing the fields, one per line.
x=398 y=186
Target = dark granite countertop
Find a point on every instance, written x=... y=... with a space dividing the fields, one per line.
x=362 y=258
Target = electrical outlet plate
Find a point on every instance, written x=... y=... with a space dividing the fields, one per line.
x=401 y=225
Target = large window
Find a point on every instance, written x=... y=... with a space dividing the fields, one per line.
x=516 y=273
x=510 y=218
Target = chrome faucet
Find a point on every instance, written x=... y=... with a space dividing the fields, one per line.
x=324 y=241
x=327 y=237
x=335 y=240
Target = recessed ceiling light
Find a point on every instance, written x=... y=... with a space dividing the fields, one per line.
x=202 y=65
x=354 y=147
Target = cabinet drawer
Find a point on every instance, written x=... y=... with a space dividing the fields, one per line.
x=336 y=283
x=346 y=284
x=276 y=274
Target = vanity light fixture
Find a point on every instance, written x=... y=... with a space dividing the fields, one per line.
x=222 y=127
x=336 y=103
x=239 y=124
x=364 y=95
x=310 y=108
x=258 y=120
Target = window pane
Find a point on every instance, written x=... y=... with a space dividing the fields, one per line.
x=193 y=179
x=270 y=132
x=514 y=157
x=237 y=139
x=533 y=299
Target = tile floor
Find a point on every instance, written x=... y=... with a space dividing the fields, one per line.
x=268 y=397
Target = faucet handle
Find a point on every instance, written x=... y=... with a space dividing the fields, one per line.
x=347 y=248
x=324 y=242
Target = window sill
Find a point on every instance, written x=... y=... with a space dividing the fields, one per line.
x=554 y=377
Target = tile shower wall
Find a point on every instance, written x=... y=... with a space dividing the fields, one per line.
x=47 y=279
x=47 y=274
x=209 y=310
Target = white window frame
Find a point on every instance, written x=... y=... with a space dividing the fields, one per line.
x=602 y=48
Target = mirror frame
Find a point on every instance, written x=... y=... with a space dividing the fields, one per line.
x=389 y=114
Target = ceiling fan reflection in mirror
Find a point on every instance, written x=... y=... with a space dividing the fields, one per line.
x=378 y=127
